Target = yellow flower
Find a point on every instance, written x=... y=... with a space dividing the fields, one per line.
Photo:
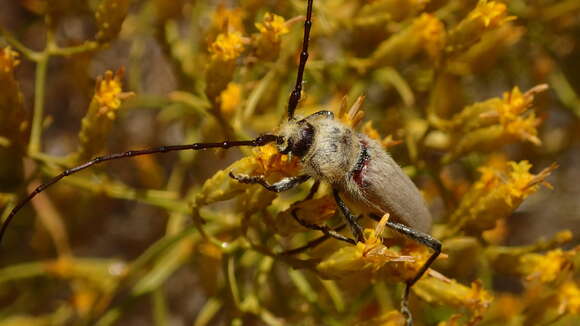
x=227 y=46
x=370 y=131
x=316 y=211
x=220 y=71
x=273 y=27
x=497 y=193
x=269 y=160
x=510 y=112
x=102 y=110
x=373 y=259
x=433 y=35
x=547 y=267
x=8 y=59
x=491 y=13
x=454 y=294
x=570 y=298
x=109 y=93
x=478 y=299
x=487 y=125
x=267 y=42
x=230 y=19
x=230 y=98
x=354 y=115
x=485 y=17
x=425 y=34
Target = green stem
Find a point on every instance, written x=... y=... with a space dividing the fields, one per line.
x=30 y=54
x=38 y=114
x=72 y=50
x=159 y=303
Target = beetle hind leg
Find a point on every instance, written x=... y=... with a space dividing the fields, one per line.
x=426 y=240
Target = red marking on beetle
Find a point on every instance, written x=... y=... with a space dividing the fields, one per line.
x=359 y=171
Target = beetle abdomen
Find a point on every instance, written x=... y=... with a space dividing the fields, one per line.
x=385 y=188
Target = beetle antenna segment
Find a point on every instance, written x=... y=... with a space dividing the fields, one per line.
x=295 y=95
x=258 y=141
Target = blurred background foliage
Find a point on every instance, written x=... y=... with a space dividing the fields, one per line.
x=477 y=100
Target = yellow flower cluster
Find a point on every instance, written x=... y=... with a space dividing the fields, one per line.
x=369 y=259
x=547 y=267
x=103 y=108
x=426 y=34
x=489 y=124
x=387 y=141
x=230 y=98
x=569 y=298
x=512 y=114
x=8 y=59
x=230 y=19
x=109 y=93
x=269 y=161
x=227 y=46
x=495 y=196
x=449 y=292
x=273 y=27
x=490 y=13
x=487 y=16
x=433 y=35
x=267 y=42
x=354 y=115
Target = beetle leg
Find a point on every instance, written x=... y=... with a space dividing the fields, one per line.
x=282 y=185
x=350 y=218
x=323 y=228
x=312 y=243
x=425 y=239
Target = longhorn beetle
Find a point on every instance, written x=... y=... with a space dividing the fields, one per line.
x=356 y=167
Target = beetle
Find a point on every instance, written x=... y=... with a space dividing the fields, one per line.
x=358 y=169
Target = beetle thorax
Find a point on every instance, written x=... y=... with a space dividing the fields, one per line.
x=333 y=153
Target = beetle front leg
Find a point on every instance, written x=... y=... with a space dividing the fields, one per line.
x=282 y=185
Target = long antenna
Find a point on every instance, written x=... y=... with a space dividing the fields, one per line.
x=295 y=95
x=259 y=141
